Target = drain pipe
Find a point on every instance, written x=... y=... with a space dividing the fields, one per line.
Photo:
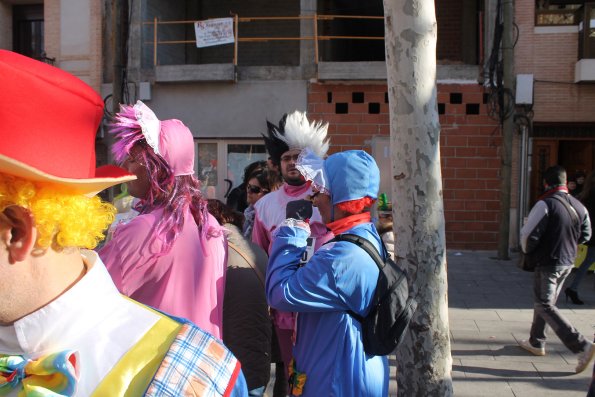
x=525 y=171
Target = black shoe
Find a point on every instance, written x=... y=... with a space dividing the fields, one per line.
x=573 y=295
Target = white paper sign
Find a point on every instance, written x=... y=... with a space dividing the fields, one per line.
x=214 y=32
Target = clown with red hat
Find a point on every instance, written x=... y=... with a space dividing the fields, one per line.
x=65 y=330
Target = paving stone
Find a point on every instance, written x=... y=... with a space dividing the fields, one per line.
x=479 y=388
x=455 y=314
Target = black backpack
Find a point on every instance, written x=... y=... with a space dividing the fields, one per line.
x=392 y=307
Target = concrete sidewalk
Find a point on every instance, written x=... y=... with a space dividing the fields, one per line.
x=490 y=309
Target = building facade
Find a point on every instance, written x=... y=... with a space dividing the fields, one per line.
x=66 y=33
x=327 y=57
x=555 y=50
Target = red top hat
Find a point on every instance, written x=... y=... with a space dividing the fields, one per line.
x=48 y=123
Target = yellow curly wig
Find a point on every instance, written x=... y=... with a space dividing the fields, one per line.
x=62 y=219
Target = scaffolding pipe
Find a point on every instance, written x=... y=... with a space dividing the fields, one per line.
x=155 y=41
x=237 y=19
x=237 y=39
x=316 y=39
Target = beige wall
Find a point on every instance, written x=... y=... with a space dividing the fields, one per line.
x=5 y=25
x=550 y=54
x=73 y=37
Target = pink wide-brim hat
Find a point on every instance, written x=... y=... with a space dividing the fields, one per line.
x=169 y=139
x=48 y=124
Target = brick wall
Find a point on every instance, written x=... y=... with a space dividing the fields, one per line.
x=96 y=44
x=347 y=109
x=469 y=144
x=551 y=58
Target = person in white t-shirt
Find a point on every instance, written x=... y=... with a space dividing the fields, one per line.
x=284 y=144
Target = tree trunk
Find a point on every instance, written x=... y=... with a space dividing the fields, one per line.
x=424 y=360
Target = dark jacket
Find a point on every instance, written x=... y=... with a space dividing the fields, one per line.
x=246 y=321
x=236 y=199
x=590 y=205
x=550 y=237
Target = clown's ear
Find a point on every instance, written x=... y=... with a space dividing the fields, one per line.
x=18 y=233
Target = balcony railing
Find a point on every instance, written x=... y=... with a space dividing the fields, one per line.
x=315 y=37
x=44 y=58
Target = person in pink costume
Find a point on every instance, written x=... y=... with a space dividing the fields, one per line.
x=284 y=144
x=172 y=256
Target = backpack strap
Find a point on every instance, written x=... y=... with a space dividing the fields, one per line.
x=364 y=244
x=248 y=260
x=367 y=246
x=569 y=208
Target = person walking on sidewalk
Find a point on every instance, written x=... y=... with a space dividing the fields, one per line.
x=587 y=197
x=556 y=225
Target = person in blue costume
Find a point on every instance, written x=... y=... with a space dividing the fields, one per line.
x=329 y=357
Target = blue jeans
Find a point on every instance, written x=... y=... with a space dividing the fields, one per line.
x=583 y=268
x=546 y=288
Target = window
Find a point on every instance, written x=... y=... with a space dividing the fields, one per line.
x=217 y=181
x=174 y=33
x=586 y=38
x=351 y=50
x=558 y=12
x=27 y=22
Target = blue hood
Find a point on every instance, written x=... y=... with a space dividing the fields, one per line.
x=352 y=175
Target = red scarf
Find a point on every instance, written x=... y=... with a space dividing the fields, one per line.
x=294 y=191
x=549 y=192
x=344 y=224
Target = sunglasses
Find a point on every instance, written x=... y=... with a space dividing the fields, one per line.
x=255 y=189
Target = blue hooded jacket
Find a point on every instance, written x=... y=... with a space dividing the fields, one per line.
x=339 y=277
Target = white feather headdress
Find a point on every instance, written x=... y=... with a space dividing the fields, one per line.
x=299 y=133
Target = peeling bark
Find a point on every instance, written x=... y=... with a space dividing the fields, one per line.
x=424 y=359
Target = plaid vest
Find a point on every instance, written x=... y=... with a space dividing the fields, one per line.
x=197 y=364
x=174 y=358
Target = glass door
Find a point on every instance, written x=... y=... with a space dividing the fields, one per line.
x=220 y=164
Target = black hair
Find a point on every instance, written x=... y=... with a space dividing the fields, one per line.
x=555 y=176
x=224 y=214
x=275 y=146
x=588 y=192
x=252 y=168
x=267 y=179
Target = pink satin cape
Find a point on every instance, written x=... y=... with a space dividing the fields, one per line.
x=187 y=282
